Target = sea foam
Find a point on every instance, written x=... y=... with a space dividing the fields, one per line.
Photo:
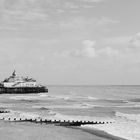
x=131 y=117
x=125 y=130
x=125 y=126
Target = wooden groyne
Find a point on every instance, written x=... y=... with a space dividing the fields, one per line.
x=51 y=121
x=4 y=111
x=56 y=122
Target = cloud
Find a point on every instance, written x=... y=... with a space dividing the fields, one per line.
x=83 y=22
x=135 y=41
x=121 y=40
x=44 y=5
x=80 y=4
x=19 y=15
x=89 y=50
x=109 y=51
x=106 y=21
x=126 y=50
x=91 y=1
x=45 y=12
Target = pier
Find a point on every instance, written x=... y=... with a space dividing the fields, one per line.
x=21 y=90
x=20 y=85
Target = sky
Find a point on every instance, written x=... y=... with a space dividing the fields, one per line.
x=71 y=42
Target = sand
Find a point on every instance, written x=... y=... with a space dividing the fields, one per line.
x=102 y=134
x=31 y=131
x=127 y=130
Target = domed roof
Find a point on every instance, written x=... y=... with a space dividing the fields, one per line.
x=14 y=78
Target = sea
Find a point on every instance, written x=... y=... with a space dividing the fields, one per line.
x=117 y=104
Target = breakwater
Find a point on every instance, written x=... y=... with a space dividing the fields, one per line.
x=50 y=121
x=57 y=122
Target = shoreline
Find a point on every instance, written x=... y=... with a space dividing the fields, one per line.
x=101 y=133
x=95 y=130
x=125 y=130
x=30 y=129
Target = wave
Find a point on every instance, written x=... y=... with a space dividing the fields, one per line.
x=24 y=97
x=87 y=105
x=49 y=114
x=61 y=116
x=55 y=97
x=125 y=126
x=131 y=117
x=123 y=130
x=46 y=109
x=19 y=114
x=135 y=100
x=92 y=98
x=51 y=97
x=69 y=106
x=36 y=96
x=85 y=97
x=42 y=108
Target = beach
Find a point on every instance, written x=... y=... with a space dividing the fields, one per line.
x=118 y=113
x=70 y=70
x=30 y=131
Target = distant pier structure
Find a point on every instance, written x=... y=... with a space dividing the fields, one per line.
x=15 y=84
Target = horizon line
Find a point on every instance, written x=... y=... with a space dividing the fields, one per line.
x=94 y=85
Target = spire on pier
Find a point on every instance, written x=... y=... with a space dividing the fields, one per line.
x=14 y=73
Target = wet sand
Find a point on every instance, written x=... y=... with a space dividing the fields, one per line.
x=31 y=131
x=58 y=108
x=101 y=134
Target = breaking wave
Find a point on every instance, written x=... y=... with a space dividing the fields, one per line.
x=131 y=117
x=92 y=98
x=125 y=126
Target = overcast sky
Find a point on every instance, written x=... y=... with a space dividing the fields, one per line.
x=71 y=41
